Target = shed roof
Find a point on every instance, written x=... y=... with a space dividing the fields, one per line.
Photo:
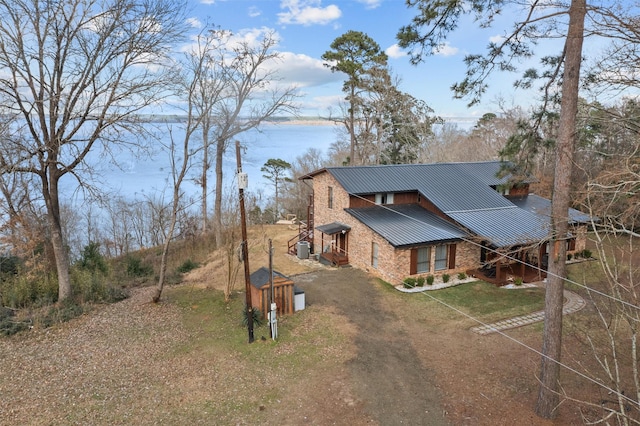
x=261 y=277
x=406 y=224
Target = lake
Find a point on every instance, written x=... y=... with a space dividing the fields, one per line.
x=135 y=177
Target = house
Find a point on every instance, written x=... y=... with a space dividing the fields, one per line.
x=397 y=221
x=286 y=295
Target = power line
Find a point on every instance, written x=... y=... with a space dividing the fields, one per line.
x=580 y=374
x=571 y=369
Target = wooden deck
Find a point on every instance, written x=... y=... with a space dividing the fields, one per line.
x=335 y=258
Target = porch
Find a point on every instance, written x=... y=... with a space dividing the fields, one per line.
x=507 y=274
x=526 y=264
x=334 y=241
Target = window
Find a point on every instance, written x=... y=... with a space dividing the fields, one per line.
x=374 y=255
x=441 y=257
x=384 y=198
x=423 y=259
x=330 y=198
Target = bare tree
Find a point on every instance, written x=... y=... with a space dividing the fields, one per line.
x=181 y=154
x=610 y=196
x=208 y=56
x=429 y=30
x=76 y=73
x=251 y=94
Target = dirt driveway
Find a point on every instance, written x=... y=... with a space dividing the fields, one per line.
x=386 y=373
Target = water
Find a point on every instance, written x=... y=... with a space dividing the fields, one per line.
x=136 y=177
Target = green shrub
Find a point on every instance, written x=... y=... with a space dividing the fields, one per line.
x=24 y=290
x=430 y=279
x=569 y=256
x=88 y=287
x=518 y=281
x=257 y=317
x=420 y=281
x=187 y=265
x=67 y=310
x=462 y=276
x=9 y=265
x=409 y=282
x=445 y=278
x=586 y=253
x=135 y=267
x=9 y=325
x=92 y=260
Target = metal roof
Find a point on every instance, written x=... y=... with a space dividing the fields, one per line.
x=542 y=207
x=449 y=186
x=406 y=224
x=462 y=191
x=333 y=228
x=261 y=277
x=504 y=227
x=487 y=172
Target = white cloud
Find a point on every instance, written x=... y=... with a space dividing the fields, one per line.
x=254 y=12
x=303 y=71
x=307 y=12
x=395 y=51
x=370 y=4
x=207 y=1
x=194 y=22
x=445 y=49
x=496 y=39
x=322 y=105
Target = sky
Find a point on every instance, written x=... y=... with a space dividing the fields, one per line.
x=306 y=29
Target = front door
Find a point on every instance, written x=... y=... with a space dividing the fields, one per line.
x=342 y=243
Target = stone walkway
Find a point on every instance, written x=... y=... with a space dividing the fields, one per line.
x=573 y=303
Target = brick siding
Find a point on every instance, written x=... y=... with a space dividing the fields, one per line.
x=393 y=263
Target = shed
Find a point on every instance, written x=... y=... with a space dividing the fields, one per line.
x=283 y=292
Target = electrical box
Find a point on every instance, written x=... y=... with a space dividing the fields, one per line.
x=243 y=180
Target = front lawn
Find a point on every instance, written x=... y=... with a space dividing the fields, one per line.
x=490 y=303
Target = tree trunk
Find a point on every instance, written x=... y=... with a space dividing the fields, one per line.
x=352 y=130
x=52 y=201
x=163 y=260
x=217 y=208
x=203 y=179
x=548 y=396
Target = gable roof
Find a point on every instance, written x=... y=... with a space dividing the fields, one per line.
x=406 y=224
x=462 y=191
x=449 y=186
x=261 y=277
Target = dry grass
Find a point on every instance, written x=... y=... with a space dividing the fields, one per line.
x=182 y=361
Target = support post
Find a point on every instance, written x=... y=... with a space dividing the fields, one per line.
x=245 y=248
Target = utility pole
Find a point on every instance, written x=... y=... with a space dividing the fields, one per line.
x=273 y=322
x=242 y=184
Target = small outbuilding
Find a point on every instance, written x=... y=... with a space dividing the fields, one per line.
x=284 y=292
